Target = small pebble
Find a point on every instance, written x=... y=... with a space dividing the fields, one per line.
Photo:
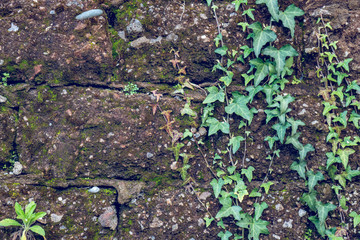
x=94 y=190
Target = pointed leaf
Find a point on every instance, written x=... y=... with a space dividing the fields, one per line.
x=235 y=143
x=261 y=37
x=313 y=179
x=331 y=159
x=299 y=167
x=19 y=211
x=310 y=200
x=224 y=236
x=288 y=17
x=281 y=130
x=295 y=124
x=303 y=152
x=215 y=126
x=272 y=6
x=280 y=55
x=217 y=185
x=344 y=155
x=259 y=208
x=228 y=210
x=248 y=172
x=323 y=210
x=214 y=95
x=239 y=107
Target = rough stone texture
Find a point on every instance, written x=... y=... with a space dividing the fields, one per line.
x=67 y=122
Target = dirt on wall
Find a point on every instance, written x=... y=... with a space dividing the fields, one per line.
x=97 y=160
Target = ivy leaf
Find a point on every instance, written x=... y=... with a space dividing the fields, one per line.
x=332 y=135
x=247 y=78
x=307 y=148
x=248 y=172
x=288 y=17
x=239 y=107
x=295 y=124
x=235 y=143
x=224 y=236
x=269 y=91
x=209 y=2
x=344 y=64
x=259 y=208
x=271 y=140
x=247 y=50
x=221 y=50
x=244 y=25
x=249 y=13
x=187 y=110
x=217 y=185
x=257 y=227
x=356 y=218
x=342 y=119
x=261 y=37
x=284 y=102
x=310 y=199
x=319 y=227
x=272 y=6
x=299 y=167
x=328 y=108
x=331 y=159
x=215 y=126
x=280 y=55
x=341 y=179
x=344 y=155
x=208 y=221
x=281 y=130
x=353 y=86
x=313 y=179
x=214 y=95
x=354 y=117
x=228 y=78
x=228 y=209
x=262 y=70
x=255 y=193
x=266 y=186
x=340 y=77
x=323 y=210
x=253 y=91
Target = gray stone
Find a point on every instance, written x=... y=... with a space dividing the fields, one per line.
x=302 y=212
x=56 y=218
x=2 y=99
x=109 y=218
x=138 y=42
x=121 y=34
x=288 y=224
x=135 y=26
x=17 y=168
x=172 y=37
x=149 y=155
x=174 y=227
x=156 y=223
x=94 y=190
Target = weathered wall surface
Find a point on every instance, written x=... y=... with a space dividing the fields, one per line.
x=66 y=120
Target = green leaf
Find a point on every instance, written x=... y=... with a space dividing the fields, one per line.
x=331 y=135
x=262 y=70
x=244 y=25
x=221 y=50
x=187 y=110
x=9 y=222
x=247 y=50
x=224 y=236
x=340 y=77
x=284 y=103
x=227 y=79
x=294 y=125
x=248 y=172
x=217 y=185
x=235 y=143
x=228 y=209
x=186 y=134
x=214 y=95
x=280 y=55
x=209 y=2
x=208 y=221
x=342 y=119
x=343 y=203
x=239 y=107
x=299 y=167
x=253 y=91
x=345 y=64
x=247 y=78
x=328 y=108
x=351 y=173
x=269 y=91
x=303 y=152
x=259 y=208
x=295 y=142
x=19 y=211
x=323 y=210
x=266 y=186
x=36 y=216
x=341 y=179
x=339 y=93
x=313 y=179
x=354 y=117
x=272 y=6
x=37 y=229
x=348 y=143
x=261 y=37
x=288 y=17
x=271 y=140
x=255 y=193
x=319 y=227
x=353 y=86
x=310 y=200
x=281 y=130
x=356 y=218
x=215 y=126
x=249 y=13
x=331 y=159
x=257 y=227
x=344 y=155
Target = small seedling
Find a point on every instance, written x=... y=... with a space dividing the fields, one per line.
x=130 y=89
x=28 y=218
x=4 y=79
